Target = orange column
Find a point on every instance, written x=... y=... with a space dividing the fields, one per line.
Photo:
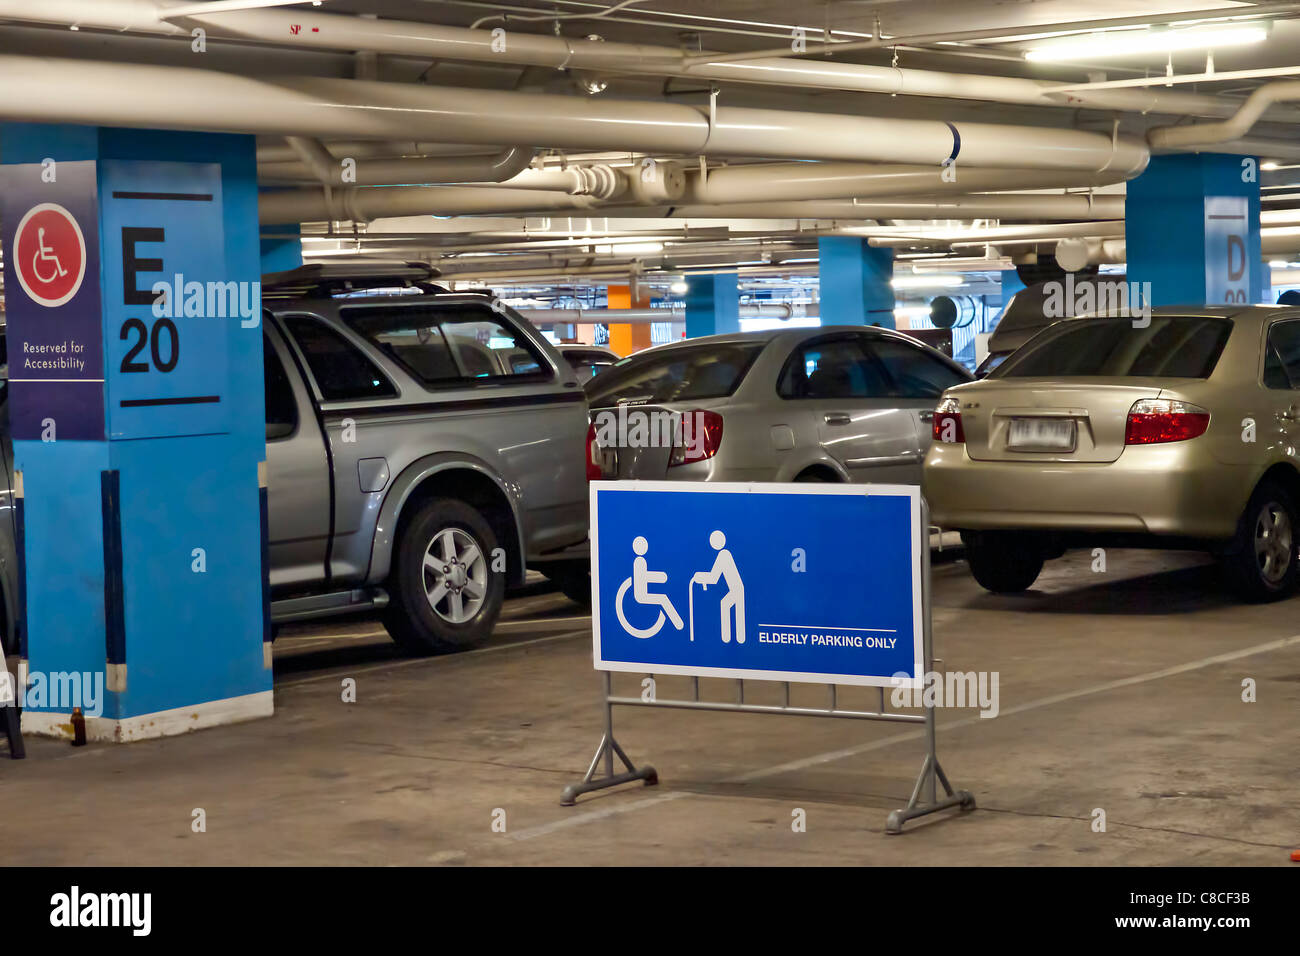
x=627 y=337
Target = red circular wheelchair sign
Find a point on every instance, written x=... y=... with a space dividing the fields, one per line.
x=49 y=255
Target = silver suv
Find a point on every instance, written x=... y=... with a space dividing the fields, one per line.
x=423 y=449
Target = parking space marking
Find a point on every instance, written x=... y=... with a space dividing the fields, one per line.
x=447 y=658
x=831 y=756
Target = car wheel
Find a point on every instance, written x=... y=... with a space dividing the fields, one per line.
x=1261 y=564
x=445 y=594
x=573 y=581
x=1003 y=561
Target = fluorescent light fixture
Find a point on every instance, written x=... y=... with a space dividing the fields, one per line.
x=1091 y=46
x=679 y=287
x=630 y=248
x=910 y=312
x=937 y=280
x=223 y=6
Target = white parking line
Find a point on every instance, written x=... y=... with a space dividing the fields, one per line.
x=449 y=658
x=593 y=816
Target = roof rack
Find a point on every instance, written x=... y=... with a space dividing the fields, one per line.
x=324 y=280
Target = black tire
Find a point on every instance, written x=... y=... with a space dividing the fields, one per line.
x=572 y=580
x=1003 y=562
x=1260 y=565
x=411 y=618
x=812 y=475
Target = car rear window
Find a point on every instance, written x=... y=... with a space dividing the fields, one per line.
x=676 y=375
x=1172 y=346
x=452 y=344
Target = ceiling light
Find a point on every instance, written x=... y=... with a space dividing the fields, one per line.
x=679 y=287
x=630 y=248
x=1090 y=46
x=944 y=280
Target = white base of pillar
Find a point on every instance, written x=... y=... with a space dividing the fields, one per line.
x=163 y=723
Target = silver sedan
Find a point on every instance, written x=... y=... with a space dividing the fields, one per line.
x=837 y=403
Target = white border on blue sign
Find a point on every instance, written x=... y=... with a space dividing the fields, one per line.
x=911 y=492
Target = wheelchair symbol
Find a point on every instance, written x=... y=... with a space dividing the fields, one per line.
x=643 y=576
x=45 y=254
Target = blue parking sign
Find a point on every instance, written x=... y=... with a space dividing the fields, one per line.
x=793 y=582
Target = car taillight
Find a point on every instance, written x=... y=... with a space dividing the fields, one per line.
x=594 y=471
x=1152 y=421
x=947 y=422
x=699 y=436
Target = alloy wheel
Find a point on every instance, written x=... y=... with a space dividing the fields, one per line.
x=455 y=575
x=1274 y=543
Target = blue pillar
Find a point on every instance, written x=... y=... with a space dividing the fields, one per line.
x=137 y=419
x=1191 y=224
x=855 y=282
x=712 y=304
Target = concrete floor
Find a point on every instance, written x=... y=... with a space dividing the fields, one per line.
x=1119 y=691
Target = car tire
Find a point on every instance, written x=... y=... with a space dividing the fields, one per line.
x=436 y=611
x=572 y=580
x=1003 y=562
x=1261 y=564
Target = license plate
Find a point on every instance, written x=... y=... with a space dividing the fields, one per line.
x=1041 y=434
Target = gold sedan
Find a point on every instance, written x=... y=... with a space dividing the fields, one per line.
x=1180 y=429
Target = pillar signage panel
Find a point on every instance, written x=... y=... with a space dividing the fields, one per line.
x=168 y=303
x=788 y=582
x=54 y=329
x=1227 y=261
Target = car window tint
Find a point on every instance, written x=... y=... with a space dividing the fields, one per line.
x=281 y=408
x=1282 y=361
x=1170 y=346
x=836 y=369
x=676 y=375
x=341 y=371
x=450 y=344
x=915 y=373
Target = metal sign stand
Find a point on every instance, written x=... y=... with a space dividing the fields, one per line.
x=925 y=798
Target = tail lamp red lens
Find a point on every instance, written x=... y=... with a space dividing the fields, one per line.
x=698 y=438
x=1154 y=421
x=947 y=423
x=594 y=470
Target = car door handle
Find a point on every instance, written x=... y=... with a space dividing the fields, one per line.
x=837 y=418
x=926 y=416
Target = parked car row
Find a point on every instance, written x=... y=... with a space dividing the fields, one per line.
x=1180 y=430
x=425 y=448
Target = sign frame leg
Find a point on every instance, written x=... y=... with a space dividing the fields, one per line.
x=607 y=748
x=931 y=775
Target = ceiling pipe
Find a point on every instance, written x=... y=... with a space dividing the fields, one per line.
x=990 y=206
x=1236 y=126
x=777 y=182
x=317 y=162
x=361 y=205
x=136 y=95
x=321 y=30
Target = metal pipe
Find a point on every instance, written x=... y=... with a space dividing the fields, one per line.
x=329 y=31
x=778 y=182
x=362 y=205
x=981 y=206
x=118 y=94
x=320 y=164
x=1234 y=127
